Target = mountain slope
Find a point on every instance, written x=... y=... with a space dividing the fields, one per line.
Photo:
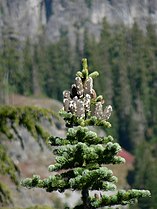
x=55 y=17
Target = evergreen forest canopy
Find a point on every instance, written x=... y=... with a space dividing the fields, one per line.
x=126 y=60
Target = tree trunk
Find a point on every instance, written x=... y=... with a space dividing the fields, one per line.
x=85 y=199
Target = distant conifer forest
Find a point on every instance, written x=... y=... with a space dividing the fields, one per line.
x=127 y=61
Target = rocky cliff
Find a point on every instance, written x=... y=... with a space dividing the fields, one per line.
x=52 y=18
x=34 y=156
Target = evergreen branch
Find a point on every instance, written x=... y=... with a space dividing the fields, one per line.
x=71 y=156
x=75 y=180
x=52 y=183
x=122 y=197
x=80 y=134
x=101 y=178
x=72 y=120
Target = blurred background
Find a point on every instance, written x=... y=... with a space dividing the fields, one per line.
x=42 y=43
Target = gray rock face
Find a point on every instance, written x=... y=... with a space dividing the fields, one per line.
x=57 y=17
x=33 y=159
x=23 y=17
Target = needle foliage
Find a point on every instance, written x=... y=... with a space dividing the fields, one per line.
x=81 y=156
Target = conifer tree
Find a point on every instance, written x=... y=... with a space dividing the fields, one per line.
x=82 y=155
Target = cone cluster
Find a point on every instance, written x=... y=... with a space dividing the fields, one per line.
x=82 y=100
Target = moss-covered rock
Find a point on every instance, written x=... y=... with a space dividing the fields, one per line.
x=29 y=117
x=23 y=136
x=5 y=195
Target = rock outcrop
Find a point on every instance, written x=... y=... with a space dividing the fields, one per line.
x=53 y=18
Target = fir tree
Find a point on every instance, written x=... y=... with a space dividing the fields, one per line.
x=82 y=155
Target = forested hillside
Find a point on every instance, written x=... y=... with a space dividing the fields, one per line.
x=126 y=59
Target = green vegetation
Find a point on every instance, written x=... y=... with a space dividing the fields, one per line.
x=11 y=119
x=8 y=168
x=144 y=174
x=81 y=156
x=29 y=117
x=33 y=207
x=89 y=3
x=126 y=59
x=5 y=195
